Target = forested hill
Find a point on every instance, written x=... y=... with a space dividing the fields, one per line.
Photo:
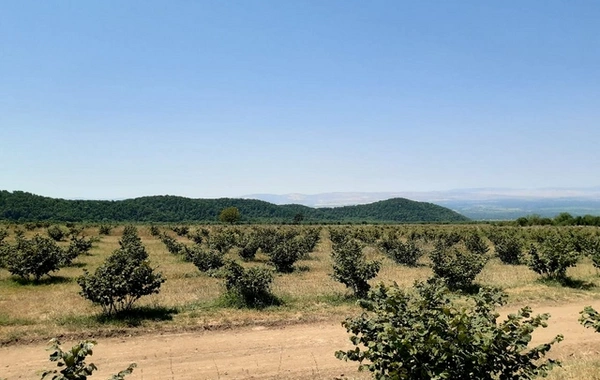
x=21 y=206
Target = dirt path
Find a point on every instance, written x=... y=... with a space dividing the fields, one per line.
x=290 y=352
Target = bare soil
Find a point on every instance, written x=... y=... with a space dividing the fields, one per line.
x=288 y=352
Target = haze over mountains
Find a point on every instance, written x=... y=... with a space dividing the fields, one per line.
x=478 y=204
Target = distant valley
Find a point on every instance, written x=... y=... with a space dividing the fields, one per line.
x=477 y=204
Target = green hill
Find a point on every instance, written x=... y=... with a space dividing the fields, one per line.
x=20 y=206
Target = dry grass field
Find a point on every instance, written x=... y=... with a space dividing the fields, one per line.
x=190 y=301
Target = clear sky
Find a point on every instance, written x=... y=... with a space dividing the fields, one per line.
x=116 y=99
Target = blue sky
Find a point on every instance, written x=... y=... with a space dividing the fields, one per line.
x=117 y=99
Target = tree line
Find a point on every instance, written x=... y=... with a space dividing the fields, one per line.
x=19 y=206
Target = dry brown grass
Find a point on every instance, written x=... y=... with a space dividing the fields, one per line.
x=187 y=300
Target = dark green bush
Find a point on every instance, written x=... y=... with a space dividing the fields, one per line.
x=509 y=249
x=552 y=256
x=402 y=253
x=455 y=265
x=204 y=259
x=285 y=255
x=196 y=236
x=223 y=239
x=424 y=334
x=249 y=248
x=249 y=287
x=34 y=257
x=154 y=230
x=173 y=246
x=181 y=230
x=475 y=243
x=351 y=268
x=56 y=233
x=123 y=278
x=105 y=229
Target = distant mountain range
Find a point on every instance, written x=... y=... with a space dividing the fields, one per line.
x=477 y=204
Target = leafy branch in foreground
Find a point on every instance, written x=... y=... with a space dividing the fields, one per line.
x=590 y=318
x=73 y=362
x=425 y=334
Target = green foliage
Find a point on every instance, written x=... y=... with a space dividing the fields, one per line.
x=351 y=268
x=72 y=363
x=173 y=246
x=402 y=253
x=22 y=206
x=105 y=229
x=590 y=318
x=424 y=335
x=250 y=246
x=269 y=238
x=33 y=258
x=56 y=233
x=475 y=244
x=308 y=239
x=230 y=215
x=181 y=230
x=285 y=255
x=154 y=230
x=79 y=245
x=591 y=247
x=223 y=239
x=249 y=287
x=339 y=236
x=196 y=236
x=552 y=256
x=3 y=234
x=204 y=259
x=509 y=248
x=123 y=278
x=455 y=265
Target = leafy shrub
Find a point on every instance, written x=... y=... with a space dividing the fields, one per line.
x=591 y=248
x=426 y=335
x=104 y=229
x=367 y=235
x=173 y=246
x=79 y=245
x=196 y=236
x=181 y=230
x=123 y=278
x=351 y=268
x=3 y=234
x=223 y=239
x=33 y=258
x=56 y=233
x=72 y=362
x=154 y=231
x=475 y=244
x=339 y=236
x=402 y=253
x=249 y=248
x=308 y=239
x=590 y=318
x=552 y=256
x=456 y=266
x=285 y=255
x=249 y=287
x=204 y=259
x=509 y=249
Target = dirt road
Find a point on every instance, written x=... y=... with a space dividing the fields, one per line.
x=289 y=352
